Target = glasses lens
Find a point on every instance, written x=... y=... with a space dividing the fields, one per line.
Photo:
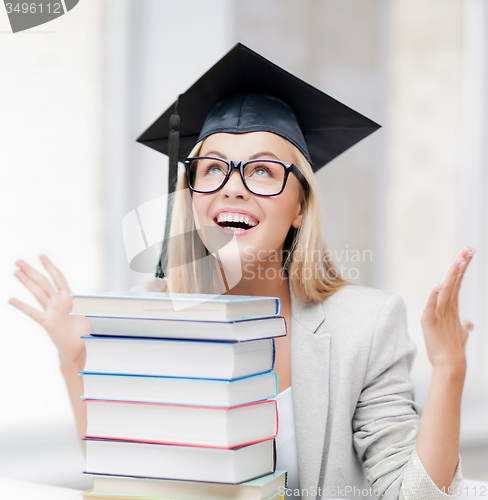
x=264 y=177
x=207 y=174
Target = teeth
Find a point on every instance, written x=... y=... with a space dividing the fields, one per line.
x=230 y=217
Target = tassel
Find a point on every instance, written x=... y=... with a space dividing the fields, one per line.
x=173 y=153
x=173 y=149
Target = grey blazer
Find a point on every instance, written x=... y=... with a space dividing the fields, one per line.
x=355 y=418
x=356 y=422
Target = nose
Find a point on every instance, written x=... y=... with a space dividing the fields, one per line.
x=234 y=187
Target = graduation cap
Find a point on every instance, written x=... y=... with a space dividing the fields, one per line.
x=244 y=92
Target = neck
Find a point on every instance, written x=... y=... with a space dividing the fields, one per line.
x=266 y=279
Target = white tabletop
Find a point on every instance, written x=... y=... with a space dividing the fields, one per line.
x=13 y=489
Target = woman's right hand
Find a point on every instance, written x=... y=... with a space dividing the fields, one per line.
x=64 y=330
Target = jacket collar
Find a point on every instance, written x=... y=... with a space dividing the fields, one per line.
x=310 y=316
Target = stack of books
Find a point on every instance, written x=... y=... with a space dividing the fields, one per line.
x=178 y=390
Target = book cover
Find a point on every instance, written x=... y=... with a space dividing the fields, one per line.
x=213 y=427
x=182 y=305
x=180 y=390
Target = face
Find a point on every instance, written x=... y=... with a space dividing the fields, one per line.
x=272 y=216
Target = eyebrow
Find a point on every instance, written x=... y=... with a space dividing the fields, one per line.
x=253 y=157
x=218 y=154
x=263 y=153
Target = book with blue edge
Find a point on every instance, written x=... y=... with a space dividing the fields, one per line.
x=178 y=358
x=230 y=330
x=180 y=390
x=187 y=306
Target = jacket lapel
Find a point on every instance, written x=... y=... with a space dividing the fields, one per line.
x=310 y=352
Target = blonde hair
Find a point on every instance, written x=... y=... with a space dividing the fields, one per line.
x=309 y=267
x=312 y=272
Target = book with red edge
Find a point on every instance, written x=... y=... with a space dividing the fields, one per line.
x=206 y=426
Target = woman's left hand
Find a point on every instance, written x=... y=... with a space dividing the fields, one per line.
x=445 y=335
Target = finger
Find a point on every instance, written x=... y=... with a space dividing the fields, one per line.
x=451 y=275
x=55 y=273
x=37 y=277
x=449 y=281
x=33 y=287
x=30 y=311
x=430 y=307
x=457 y=284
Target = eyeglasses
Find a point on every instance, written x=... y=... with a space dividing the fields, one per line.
x=206 y=174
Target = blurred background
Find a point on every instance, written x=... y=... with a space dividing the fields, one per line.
x=76 y=92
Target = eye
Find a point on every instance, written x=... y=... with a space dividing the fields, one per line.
x=212 y=167
x=261 y=170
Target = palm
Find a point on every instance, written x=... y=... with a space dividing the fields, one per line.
x=445 y=335
x=64 y=330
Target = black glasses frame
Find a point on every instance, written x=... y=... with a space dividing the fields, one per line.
x=240 y=165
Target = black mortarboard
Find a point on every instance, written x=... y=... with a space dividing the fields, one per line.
x=244 y=92
x=329 y=127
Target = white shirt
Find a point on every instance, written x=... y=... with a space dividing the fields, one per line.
x=286 y=447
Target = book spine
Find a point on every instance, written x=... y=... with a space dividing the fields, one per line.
x=171 y=443
x=172 y=405
x=274 y=356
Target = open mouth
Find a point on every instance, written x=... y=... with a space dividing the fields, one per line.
x=236 y=222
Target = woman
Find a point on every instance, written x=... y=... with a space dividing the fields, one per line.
x=347 y=356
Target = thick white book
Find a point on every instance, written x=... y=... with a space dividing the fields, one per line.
x=178 y=390
x=233 y=330
x=262 y=488
x=141 y=304
x=178 y=358
x=163 y=461
x=208 y=426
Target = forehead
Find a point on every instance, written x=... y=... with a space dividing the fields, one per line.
x=243 y=146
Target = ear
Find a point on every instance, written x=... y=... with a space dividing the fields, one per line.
x=297 y=221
